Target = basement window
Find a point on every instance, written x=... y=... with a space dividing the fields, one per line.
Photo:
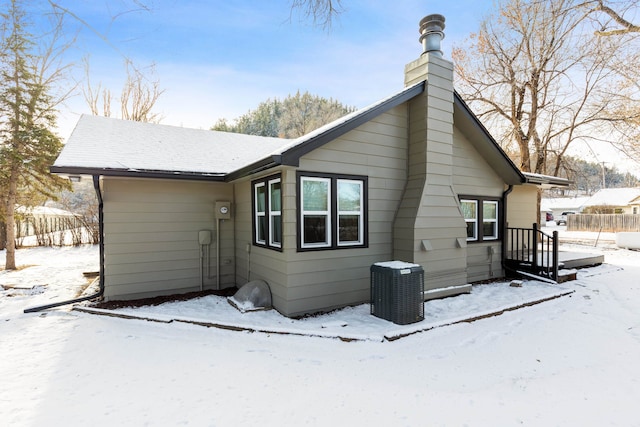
x=332 y=211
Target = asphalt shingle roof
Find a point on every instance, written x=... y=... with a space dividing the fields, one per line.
x=113 y=144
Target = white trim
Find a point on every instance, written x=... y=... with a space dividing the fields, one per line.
x=359 y=213
x=326 y=213
x=474 y=221
x=272 y=214
x=492 y=220
x=259 y=214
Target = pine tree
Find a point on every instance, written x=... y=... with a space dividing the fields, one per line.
x=28 y=146
x=292 y=117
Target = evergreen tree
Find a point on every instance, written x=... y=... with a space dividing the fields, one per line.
x=28 y=146
x=292 y=117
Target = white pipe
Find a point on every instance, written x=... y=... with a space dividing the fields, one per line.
x=201 y=267
x=218 y=254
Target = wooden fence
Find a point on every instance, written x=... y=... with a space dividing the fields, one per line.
x=603 y=222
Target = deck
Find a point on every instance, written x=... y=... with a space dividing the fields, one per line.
x=569 y=260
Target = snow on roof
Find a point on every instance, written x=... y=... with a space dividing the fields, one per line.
x=43 y=211
x=99 y=143
x=613 y=197
x=107 y=143
x=545 y=180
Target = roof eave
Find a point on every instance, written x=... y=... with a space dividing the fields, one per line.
x=137 y=173
x=255 y=167
x=546 y=181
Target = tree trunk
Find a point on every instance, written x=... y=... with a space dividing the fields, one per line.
x=10 y=258
x=3 y=235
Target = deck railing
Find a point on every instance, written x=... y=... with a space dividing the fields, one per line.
x=533 y=251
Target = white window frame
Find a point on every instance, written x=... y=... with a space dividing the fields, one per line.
x=474 y=221
x=491 y=220
x=268 y=215
x=359 y=213
x=259 y=215
x=326 y=213
x=274 y=213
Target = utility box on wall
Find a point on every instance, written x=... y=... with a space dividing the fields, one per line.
x=223 y=210
x=397 y=292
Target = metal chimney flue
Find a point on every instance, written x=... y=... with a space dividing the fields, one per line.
x=431 y=34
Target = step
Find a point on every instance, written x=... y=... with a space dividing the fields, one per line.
x=567 y=275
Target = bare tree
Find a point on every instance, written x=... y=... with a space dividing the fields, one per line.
x=321 y=12
x=137 y=99
x=92 y=94
x=541 y=80
x=139 y=95
x=616 y=17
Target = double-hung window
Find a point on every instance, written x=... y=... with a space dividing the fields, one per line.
x=332 y=211
x=482 y=217
x=490 y=220
x=470 y=213
x=267 y=212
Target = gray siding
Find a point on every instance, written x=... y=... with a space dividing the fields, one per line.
x=260 y=263
x=151 y=236
x=321 y=280
x=473 y=176
x=304 y=282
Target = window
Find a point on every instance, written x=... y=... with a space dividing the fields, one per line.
x=488 y=216
x=267 y=212
x=332 y=211
x=470 y=212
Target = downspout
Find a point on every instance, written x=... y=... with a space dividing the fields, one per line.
x=96 y=185
x=504 y=225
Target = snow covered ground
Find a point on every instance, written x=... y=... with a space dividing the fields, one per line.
x=572 y=360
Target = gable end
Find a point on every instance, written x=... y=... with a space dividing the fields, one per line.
x=291 y=157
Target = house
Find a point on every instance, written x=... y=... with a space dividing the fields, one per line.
x=414 y=177
x=613 y=201
x=635 y=206
x=558 y=205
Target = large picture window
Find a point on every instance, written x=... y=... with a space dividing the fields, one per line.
x=332 y=211
x=482 y=218
x=267 y=212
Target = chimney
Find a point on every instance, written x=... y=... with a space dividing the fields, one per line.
x=431 y=34
x=429 y=228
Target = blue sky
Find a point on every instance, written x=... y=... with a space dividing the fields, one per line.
x=222 y=58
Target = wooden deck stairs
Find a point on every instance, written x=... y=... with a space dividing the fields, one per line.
x=533 y=253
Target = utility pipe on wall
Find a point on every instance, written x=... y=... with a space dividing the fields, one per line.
x=218 y=253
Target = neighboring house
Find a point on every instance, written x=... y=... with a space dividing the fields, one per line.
x=613 y=201
x=558 y=205
x=635 y=206
x=414 y=177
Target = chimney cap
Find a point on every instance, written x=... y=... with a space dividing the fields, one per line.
x=431 y=33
